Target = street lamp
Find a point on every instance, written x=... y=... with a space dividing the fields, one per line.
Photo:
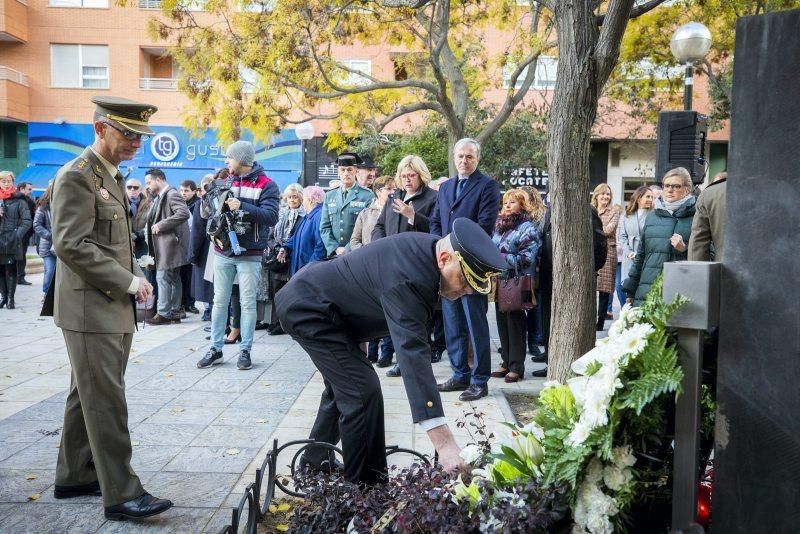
x=304 y=131
x=691 y=42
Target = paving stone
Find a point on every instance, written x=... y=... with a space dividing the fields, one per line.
x=149 y=396
x=256 y=399
x=196 y=490
x=202 y=398
x=152 y=457
x=12 y=448
x=246 y=416
x=42 y=411
x=175 y=520
x=222 y=384
x=45 y=518
x=139 y=412
x=234 y=436
x=212 y=460
x=27 y=431
x=179 y=415
x=170 y=383
x=165 y=434
x=14 y=486
x=35 y=456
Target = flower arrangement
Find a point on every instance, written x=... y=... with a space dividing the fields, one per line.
x=587 y=433
x=146 y=261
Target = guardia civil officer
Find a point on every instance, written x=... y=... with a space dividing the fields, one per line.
x=342 y=206
x=331 y=307
x=97 y=279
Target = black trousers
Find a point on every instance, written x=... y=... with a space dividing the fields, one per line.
x=602 y=309
x=186 y=283
x=351 y=407
x=437 y=331
x=512 y=329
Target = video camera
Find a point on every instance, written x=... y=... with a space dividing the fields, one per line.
x=225 y=223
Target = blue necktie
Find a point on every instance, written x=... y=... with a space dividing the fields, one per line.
x=460 y=186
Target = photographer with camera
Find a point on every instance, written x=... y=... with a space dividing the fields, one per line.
x=240 y=221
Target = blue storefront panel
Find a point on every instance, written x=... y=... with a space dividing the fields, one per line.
x=172 y=149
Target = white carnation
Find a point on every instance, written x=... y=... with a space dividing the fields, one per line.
x=615 y=478
x=634 y=340
x=623 y=456
x=579 y=434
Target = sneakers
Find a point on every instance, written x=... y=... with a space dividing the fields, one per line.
x=244 y=362
x=212 y=357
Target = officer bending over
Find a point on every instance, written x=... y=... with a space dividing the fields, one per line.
x=331 y=307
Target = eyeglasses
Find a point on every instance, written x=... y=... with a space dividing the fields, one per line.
x=129 y=135
x=673 y=186
x=131 y=187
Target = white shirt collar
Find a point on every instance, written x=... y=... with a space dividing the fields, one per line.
x=110 y=167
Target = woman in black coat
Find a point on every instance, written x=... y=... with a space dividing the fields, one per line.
x=202 y=289
x=15 y=223
x=409 y=210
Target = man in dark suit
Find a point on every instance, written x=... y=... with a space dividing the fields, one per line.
x=331 y=307
x=473 y=195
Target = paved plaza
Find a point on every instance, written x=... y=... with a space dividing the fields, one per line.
x=198 y=435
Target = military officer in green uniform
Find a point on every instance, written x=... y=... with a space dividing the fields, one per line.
x=342 y=206
x=92 y=301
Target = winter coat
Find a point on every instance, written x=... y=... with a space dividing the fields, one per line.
x=170 y=246
x=44 y=229
x=306 y=244
x=630 y=234
x=605 y=276
x=706 y=241
x=655 y=248
x=365 y=226
x=479 y=201
x=199 y=245
x=390 y=223
x=14 y=226
x=339 y=214
x=520 y=247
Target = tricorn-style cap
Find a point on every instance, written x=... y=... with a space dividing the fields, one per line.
x=479 y=257
x=129 y=114
x=367 y=163
x=348 y=159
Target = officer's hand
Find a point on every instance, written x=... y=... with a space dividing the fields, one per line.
x=145 y=290
x=233 y=203
x=340 y=251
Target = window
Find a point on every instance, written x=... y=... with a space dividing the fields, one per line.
x=360 y=65
x=74 y=65
x=8 y=141
x=79 y=3
x=546 y=68
x=629 y=185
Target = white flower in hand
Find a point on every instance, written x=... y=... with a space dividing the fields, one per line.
x=146 y=261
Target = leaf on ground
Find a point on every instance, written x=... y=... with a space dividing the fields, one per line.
x=9 y=376
x=266 y=384
x=169 y=374
x=177 y=410
x=262 y=421
x=34 y=496
x=232 y=452
x=457 y=403
x=31 y=477
x=134 y=443
x=137 y=360
x=194 y=349
x=273 y=509
x=281 y=527
x=284 y=507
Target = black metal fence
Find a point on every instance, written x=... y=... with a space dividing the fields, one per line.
x=258 y=495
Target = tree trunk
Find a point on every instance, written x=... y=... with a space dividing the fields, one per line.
x=453 y=135
x=572 y=114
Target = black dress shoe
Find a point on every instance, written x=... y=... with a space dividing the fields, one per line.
x=436 y=356
x=540 y=373
x=207 y=328
x=384 y=361
x=262 y=326
x=474 y=392
x=192 y=309
x=394 y=371
x=452 y=385
x=66 y=492
x=331 y=465
x=143 y=506
x=539 y=358
x=275 y=330
x=23 y=282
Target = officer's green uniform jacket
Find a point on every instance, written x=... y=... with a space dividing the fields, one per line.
x=339 y=214
x=92 y=239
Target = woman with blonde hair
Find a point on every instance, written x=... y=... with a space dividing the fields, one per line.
x=609 y=215
x=517 y=238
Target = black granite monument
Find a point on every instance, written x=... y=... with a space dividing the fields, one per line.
x=757 y=477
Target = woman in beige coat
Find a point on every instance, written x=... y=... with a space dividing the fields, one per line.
x=365 y=223
x=609 y=214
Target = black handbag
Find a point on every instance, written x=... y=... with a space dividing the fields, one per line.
x=270 y=261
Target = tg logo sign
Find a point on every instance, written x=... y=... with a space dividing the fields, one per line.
x=164 y=147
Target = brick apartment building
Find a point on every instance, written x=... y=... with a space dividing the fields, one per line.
x=56 y=54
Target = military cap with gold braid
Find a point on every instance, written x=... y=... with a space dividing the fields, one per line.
x=478 y=256
x=129 y=114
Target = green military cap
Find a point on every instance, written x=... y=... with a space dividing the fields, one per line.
x=129 y=114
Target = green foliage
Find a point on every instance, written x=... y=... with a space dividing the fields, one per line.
x=654 y=372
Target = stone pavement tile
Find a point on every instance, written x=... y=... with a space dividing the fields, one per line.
x=140 y=412
x=189 y=415
x=195 y=490
x=14 y=486
x=220 y=519
x=246 y=415
x=214 y=383
x=152 y=457
x=9 y=379
x=165 y=434
x=176 y=520
x=171 y=383
x=23 y=431
x=42 y=411
x=44 y=518
x=9 y=408
x=211 y=460
x=35 y=456
x=11 y=448
x=59 y=397
x=35 y=365
x=32 y=394
x=150 y=396
x=261 y=396
x=233 y=436
x=202 y=398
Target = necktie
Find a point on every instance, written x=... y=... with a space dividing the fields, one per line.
x=460 y=186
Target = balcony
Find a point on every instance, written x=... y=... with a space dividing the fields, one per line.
x=13 y=20
x=14 y=104
x=158 y=84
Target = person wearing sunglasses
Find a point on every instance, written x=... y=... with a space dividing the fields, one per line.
x=92 y=301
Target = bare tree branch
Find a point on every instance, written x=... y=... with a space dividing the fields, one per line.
x=637 y=11
x=405 y=110
x=610 y=38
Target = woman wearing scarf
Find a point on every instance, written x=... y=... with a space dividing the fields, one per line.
x=517 y=237
x=306 y=245
x=272 y=281
x=632 y=226
x=15 y=222
x=665 y=235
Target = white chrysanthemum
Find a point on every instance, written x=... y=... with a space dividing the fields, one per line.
x=634 y=340
x=615 y=478
x=579 y=434
x=471 y=453
x=600 y=353
x=623 y=456
x=594 y=471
